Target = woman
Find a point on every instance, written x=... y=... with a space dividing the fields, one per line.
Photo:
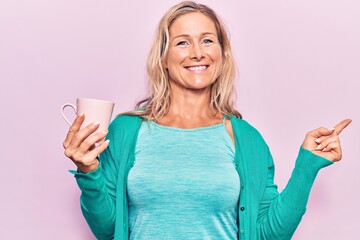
x=185 y=165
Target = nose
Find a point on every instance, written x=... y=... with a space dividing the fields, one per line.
x=196 y=52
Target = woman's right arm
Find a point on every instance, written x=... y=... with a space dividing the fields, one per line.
x=97 y=188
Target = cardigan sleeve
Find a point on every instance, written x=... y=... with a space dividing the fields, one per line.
x=280 y=214
x=98 y=191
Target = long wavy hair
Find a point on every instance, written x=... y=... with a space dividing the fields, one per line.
x=222 y=90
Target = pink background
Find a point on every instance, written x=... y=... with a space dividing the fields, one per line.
x=299 y=64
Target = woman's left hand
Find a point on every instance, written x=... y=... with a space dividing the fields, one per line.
x=325 y=141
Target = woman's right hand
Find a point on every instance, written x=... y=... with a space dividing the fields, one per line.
x=80 y=146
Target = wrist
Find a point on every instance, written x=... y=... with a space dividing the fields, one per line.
x=88 y=168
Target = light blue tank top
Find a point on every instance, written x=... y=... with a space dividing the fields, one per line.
x=183 y=184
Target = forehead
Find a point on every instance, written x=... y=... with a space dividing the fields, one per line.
x=192 y=24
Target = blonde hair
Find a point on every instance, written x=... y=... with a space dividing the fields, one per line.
x=222 y=90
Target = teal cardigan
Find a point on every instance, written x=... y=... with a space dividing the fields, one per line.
x=263 y=212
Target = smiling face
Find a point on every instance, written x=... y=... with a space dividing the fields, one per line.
x=194 y=57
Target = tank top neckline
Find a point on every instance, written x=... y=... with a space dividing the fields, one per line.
x=190 y=129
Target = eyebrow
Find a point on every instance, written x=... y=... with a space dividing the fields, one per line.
x=187 y=35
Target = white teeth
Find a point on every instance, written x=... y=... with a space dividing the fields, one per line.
x=197 y=68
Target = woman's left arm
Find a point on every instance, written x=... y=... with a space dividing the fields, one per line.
x=280 y=214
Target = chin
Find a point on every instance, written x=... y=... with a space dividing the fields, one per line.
x=199 y=86
x=194 y=84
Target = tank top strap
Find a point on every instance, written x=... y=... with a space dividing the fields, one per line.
x=224 y=119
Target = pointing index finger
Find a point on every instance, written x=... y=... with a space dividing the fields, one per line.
x=340 y=126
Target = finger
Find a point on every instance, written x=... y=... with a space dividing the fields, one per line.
x=89 y=142
x=93 y=154
x=82 y=134
x=335 y=150
x=74 y=128
x=320 y=132
x=340 y=126
x=333 y=146
x=319 y=140
x=325 y=141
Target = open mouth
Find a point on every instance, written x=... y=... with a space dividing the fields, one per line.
x=197 y=68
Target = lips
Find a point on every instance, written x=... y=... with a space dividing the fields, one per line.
x=197 y=68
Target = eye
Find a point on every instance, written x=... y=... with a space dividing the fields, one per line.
x=182 y=43
x=207 y=41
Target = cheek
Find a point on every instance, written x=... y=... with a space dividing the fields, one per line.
x=218 y=60
x=174 y=60
x=175 y=56
x=219 y=56
x=215 y=54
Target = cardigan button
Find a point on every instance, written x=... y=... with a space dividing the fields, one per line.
x=242 y=208
x=242 y=231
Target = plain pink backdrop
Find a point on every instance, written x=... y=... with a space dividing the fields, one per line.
x=299 y=68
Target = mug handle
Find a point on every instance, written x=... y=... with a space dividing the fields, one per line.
x=62 y=111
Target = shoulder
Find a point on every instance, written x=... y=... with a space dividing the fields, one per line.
x=126 y=119
x=243 y=126
x=124 y=123
x=245 y=132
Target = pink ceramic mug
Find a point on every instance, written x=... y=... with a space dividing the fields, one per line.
x=95 y=110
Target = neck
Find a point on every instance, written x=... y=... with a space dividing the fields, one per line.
x=190 y=108
x=189 y=103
